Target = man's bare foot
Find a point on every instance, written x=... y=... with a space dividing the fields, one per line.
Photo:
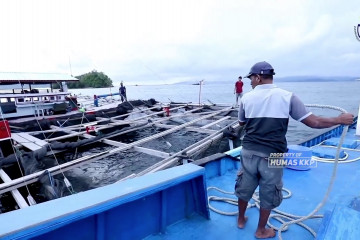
x=242 y=221
x=265 y=233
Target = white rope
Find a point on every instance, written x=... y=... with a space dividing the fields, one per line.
x=78 y=137
x=326 y=106
x=66 y=181
x=280 y=216
x=333 y=176
x=16 y=153
x=320 y=159
x=332 y=160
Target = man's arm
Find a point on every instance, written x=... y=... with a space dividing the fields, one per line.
x=241 y=114
x=314 y=121
x=299 y=112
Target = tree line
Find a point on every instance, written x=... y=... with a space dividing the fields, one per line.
x=93 y=79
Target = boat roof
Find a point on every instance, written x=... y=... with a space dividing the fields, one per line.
x=25 y=77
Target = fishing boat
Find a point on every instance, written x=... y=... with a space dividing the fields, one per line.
x=195 y=200
x=32 y=94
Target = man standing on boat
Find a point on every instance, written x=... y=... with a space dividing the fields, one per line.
x=122 y=91
x=238 y=90
x=264 y=113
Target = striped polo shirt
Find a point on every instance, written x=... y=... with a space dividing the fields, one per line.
x=266 y=111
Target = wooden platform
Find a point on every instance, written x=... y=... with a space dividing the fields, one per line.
x=211 y=121
x=28 y=141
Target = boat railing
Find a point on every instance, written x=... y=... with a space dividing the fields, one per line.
x=34 y=98
x=16 y=95
x=336 y=131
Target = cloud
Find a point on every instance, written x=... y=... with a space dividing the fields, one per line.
x=168 y=41
x=290 y=37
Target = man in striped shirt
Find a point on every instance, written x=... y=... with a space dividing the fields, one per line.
x=265 y=112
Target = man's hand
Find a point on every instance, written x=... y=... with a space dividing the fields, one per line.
x=346 y=118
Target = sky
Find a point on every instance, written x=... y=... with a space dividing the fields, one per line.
x=168 y=41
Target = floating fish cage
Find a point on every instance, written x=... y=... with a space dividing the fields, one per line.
x=53 y=157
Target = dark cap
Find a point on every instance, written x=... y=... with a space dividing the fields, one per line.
x=262 y=68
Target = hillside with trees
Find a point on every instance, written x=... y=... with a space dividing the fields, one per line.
x=93 y=79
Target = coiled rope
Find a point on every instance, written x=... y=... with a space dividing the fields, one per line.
x=333 y=175
x=331 y=160
x=280 y=216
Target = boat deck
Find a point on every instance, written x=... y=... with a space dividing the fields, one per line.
x=172 y=204
x=308 y=189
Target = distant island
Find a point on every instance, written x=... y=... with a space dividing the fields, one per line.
x=93 y=79
x=286 y=79
x=315 y=79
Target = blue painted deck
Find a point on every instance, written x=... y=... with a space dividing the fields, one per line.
x=308 y=189
x=341 y=223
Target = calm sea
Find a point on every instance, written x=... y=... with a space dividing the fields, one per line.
x=119 y=165
x=342 y=94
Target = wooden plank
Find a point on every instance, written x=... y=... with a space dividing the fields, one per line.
x=204 y=145
x=35 y=140
x=136 y=148
x=192 y=129
x=127 y=114
x=189 y=150
x=216 y=122
x=174 y=158
x=15 y=193
x=25 y=142
x=139 y=149
x=123 y=122
x=115 y=123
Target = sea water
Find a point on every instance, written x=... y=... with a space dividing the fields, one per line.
x=342 y=94
x=106 y=171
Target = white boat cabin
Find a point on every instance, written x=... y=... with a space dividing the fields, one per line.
x=33 y=94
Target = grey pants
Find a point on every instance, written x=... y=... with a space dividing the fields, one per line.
x=256 y=172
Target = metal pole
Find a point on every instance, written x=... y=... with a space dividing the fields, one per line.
x=200 y=83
